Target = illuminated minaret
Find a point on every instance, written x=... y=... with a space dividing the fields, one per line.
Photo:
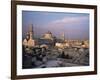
x=31 y=42
x=31 y=31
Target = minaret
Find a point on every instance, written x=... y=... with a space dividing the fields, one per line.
x=63 y=36
x=31 y=31
x=31 y=42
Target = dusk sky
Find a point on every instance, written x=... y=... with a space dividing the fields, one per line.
x=74 y=25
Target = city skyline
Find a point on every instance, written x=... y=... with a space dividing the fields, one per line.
x=73 y=25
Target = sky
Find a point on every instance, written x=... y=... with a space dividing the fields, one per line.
x=73 y=25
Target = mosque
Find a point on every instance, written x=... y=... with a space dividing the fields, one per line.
x=47 y=39
x=29 y=41
x=47 y=35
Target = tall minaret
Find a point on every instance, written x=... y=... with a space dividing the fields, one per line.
x=63 y=36
x=31 y=31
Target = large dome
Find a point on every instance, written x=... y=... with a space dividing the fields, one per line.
x=48 y=35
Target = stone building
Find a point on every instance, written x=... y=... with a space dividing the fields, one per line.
x=29 y=41
x=48 y=35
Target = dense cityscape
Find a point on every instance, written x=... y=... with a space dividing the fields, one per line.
x=51 y=51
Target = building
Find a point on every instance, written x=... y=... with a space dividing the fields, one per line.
x=47 y=35
x=29 y=41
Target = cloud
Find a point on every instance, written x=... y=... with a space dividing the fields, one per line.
x=70 y=25
x=69 y=20
x=67 y=23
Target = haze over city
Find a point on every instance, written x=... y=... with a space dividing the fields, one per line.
x=73 y=25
